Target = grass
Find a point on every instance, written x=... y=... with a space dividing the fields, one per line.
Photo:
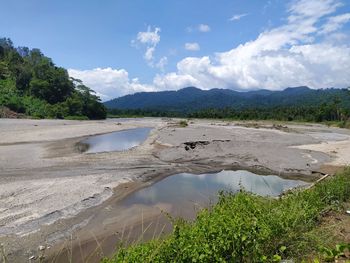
x=339 y=124
x=183 y=123
x=248 y=228
x=117 y=116
x=76 y=118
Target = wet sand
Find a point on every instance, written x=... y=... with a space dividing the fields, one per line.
x=50 y=190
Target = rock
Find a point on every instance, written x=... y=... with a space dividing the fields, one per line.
x=41 y=248
x=193 y=145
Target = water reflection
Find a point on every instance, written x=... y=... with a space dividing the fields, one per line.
x=116 y=141
x=185 y=187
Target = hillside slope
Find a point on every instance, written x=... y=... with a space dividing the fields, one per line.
x=32 y=85
x=192 y=99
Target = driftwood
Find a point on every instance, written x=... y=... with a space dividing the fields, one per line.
x=319 y=180
x=306 y=187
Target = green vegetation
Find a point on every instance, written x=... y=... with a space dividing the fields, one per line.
x=31 y=84
x=183 y=123
x=331 y=255
x=247 y=228
x=191 y=99
x=332 y=112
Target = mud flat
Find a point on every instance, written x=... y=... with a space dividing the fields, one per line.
x=49 y=190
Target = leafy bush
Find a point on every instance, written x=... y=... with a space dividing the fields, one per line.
x=183 y=123
x=334 y=254
x=245 y=228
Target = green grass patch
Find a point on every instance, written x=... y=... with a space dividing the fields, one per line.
x=339 y=124
x=244 y=227
x=76 y=118
x=183 y=123
x=118 y=116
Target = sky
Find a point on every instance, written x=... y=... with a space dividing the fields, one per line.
x=120 y=47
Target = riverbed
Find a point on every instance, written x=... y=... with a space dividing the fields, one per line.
x=50 y=189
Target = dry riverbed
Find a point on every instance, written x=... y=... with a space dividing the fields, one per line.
x=49 y=190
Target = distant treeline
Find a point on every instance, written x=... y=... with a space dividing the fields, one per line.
x=30 y=83
x=332 y=111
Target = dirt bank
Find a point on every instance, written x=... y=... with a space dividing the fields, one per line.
x=49 y=189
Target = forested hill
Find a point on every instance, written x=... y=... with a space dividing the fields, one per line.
x=31 y=84
x=192 y=99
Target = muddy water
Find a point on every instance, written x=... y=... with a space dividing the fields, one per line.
x=143 y=214
x=116 y=141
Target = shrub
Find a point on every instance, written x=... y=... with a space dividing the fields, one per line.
x=183 y=123
x=246 y=228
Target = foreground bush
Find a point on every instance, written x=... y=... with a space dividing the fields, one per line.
x=246 y=228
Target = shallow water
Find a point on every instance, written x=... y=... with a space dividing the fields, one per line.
x=191 y=188
x=116 y=141
x=144 y=213
x=329 y=136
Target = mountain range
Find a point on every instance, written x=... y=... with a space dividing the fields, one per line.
x=191 y=99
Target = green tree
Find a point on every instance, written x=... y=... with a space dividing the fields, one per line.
x=31 y=83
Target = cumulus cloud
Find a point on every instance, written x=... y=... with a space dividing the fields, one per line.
x=204 y=28
x=237 y=17
x=150 y=39
x=174 y=81
x=284 y=56
x=109 y=83
x=192 y=46
x=162 y=63
x=308 y=49
x=149 y=54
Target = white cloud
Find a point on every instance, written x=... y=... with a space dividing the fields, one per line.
x=284 y=56
x=162 y=63
x=174 y=81
x=292 y=54
x=109 y=83
x=303 y=9
x=204 y=28
x=237 y=17
x=150 y=39
x=149 y=54
x=192 y=46
x=334 y=23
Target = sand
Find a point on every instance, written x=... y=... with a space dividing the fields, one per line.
x=48 y=189
x=339 y=150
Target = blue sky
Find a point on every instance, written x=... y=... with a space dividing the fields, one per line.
x=121 y=47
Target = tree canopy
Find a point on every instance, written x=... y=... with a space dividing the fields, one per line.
x=32 y=84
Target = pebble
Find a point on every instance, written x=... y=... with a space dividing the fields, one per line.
x=41 y=248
